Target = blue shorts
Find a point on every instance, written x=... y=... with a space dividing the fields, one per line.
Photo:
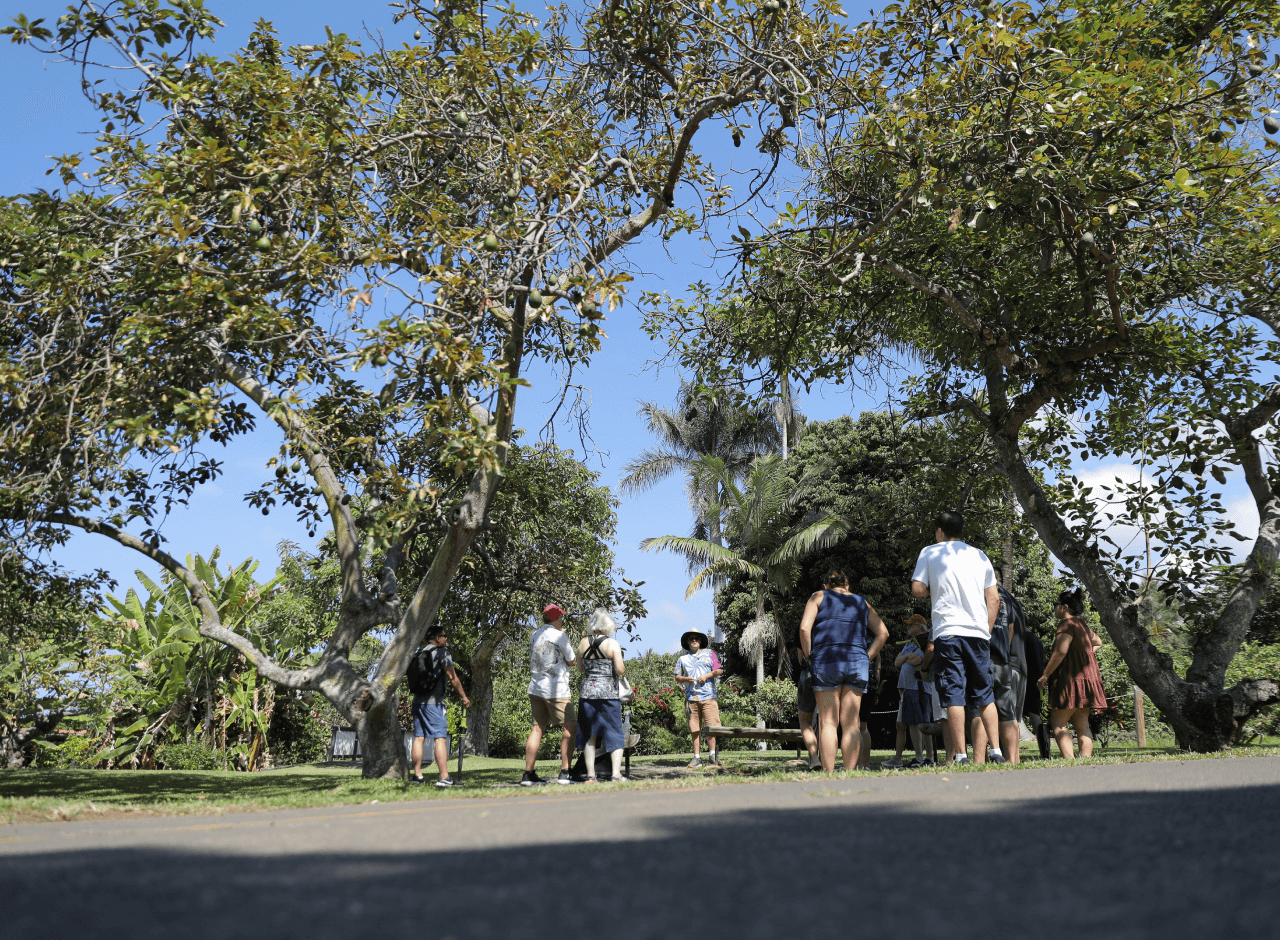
x=429 y=720
x=829 y=678
x=962 y=671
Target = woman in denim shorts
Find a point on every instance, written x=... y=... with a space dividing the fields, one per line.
x=834 y=636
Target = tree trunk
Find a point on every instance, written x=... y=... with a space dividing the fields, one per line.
x=481 y=712
x=759 y=662
x=14 y=738
x=1006 y=544
x=1203 y=718
x=382 y=739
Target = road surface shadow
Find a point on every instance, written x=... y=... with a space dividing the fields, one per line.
x=1196 y=864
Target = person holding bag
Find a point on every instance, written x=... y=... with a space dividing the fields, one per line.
x=599 y=700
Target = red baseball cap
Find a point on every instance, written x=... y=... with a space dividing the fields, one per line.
x=552 y=613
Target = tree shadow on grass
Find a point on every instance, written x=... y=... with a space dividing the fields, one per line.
x=1146 y=864
x=305 y=784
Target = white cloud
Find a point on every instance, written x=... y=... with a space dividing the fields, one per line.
x=1244 y=513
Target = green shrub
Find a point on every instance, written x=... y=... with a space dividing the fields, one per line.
x=189 y=757
x=659 y=740
x=1259 y=661
x=777 y=700
x=76 y=750
x=298 y=733
x=510 y=719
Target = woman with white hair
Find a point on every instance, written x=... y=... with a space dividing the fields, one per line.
x=599 y=708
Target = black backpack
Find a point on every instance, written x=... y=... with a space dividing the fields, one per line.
x=421 y=674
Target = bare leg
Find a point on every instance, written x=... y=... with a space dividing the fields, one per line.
x=417 y=757
x=828 y=723
x=442 y=756
x=697 y=740
x=1010 y=740
x=955 y=725
x=616 y=758
x=991 y=723
x=850 y=738
x=1080 y=720
x=809 y=735
x=711 y=744
x=978 y=731
x=589 y=753
x=917 y=740
x=900 y=741
x=566 y=743
x=531 y=745
x=1058 y=725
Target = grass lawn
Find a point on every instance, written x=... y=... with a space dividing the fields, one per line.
x=54 y=795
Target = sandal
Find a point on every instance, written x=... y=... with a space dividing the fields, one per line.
x=590 y=780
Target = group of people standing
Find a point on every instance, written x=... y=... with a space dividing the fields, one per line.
x=967 y=674
x=599 y=728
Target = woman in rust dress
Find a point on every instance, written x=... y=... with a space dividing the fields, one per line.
x=1072 y=676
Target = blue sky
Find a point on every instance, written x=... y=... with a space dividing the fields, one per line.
x=47 y=115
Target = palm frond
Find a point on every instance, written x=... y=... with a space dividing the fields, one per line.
x=718 y=573
x=649 y=469
x=812 y=538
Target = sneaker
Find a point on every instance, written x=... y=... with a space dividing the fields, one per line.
x=696 y=762
x=446 y=782
x=420 y=780
x=893 y=763
x=715 y=760
x=565 y=778
x=530 y=779
x=961 y=760
x=995 y=758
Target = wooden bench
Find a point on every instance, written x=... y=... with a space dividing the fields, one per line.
x=759 y=734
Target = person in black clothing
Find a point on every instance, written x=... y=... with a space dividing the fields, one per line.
x=1009 y=674
x=1034 y=651
x=429 y=670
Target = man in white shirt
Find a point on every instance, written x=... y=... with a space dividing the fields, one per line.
x=960 y=580
x=550 y=695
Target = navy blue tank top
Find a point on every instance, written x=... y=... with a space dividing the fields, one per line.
x=840 y=634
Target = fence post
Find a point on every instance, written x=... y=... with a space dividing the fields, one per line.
x=1139 y=717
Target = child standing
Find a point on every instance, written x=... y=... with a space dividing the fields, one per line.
x=914 y=709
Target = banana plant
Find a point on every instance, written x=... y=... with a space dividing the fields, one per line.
x=167 y=672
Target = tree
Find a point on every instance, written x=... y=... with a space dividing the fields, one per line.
x=764 y=546
x=704 y=423
x=551 y=529
x=49 y=663
x=1060 y=216
x=212 y=271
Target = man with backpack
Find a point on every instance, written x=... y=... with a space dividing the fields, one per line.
x=429 y=670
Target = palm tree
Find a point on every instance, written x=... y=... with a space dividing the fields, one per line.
x=703 y=424
x=765 y=547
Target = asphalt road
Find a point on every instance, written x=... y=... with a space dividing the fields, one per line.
x=1167 y=850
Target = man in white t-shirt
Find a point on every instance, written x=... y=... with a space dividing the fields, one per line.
x=960 y=580
x=550 y=694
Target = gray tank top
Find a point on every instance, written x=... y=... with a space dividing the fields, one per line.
x=599 y=681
